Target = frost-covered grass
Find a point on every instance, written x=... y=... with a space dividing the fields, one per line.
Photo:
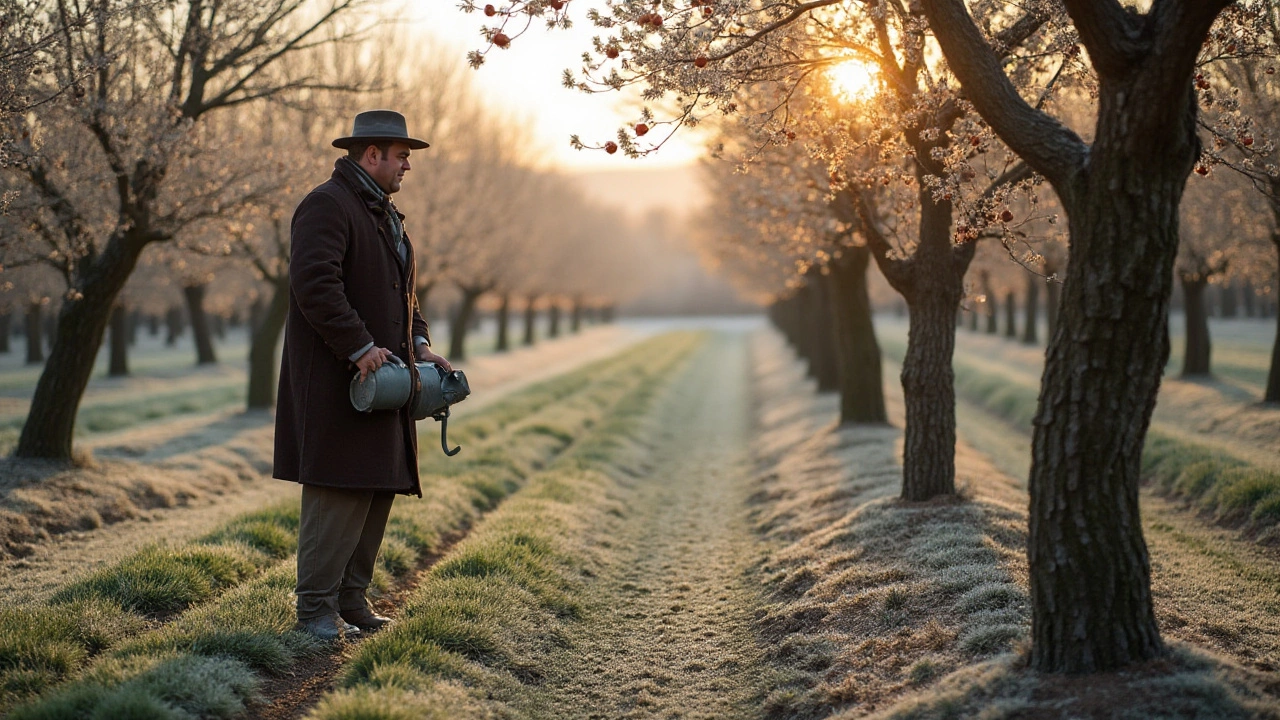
x=474 y=633
x=1230 y=489
x=890 y=610
x=869 y=597
x=232 y=588
x=1187 y=684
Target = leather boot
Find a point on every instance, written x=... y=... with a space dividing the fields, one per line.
x=365 y=619
x=327 y=628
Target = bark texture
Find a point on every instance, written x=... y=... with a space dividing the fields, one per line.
x=6 y=320
x=1089 y=569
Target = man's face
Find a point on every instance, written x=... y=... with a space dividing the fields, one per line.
x=387 y=169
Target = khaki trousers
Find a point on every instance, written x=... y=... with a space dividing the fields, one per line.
x=338 y=541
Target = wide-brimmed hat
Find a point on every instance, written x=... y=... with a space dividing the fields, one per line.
x=380 y=125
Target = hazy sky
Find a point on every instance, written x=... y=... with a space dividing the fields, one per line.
x=526 y=78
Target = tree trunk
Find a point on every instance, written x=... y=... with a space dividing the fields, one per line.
x=973 y=318
x=504 y=318
x=462 y=323
x=1089 y=568
x=218 y=326
x=530 y=319
x=1273 y=377
x=1010 y=316
x=263 y=342
x=135 y=319
x=575 y=317
x=153 y=325
x=81 y=324
x=992 y=310
x=194 y=295
x=1195 y=361
x=928 y=381
x=608 y=313
x=553 y=329
x=1053 y=293
x=174 y=325
x=928 y=388
x=857 y=352
x=34 y=324
x=1030 y=329
x=118 y=365
x=6 y=321
x=424 y=295
x=1249 y=299
x=1230 y=295
x=818 y=333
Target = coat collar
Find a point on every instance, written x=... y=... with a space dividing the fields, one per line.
x=378 y=203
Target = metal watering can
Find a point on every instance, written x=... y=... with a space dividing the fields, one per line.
x=391 y=386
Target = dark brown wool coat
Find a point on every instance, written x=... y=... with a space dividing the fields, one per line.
x=347 y=288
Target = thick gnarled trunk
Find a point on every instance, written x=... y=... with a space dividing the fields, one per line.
x=1090 y=573
x=82 y=322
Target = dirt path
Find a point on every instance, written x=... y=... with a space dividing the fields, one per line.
x=669 y=631
x=201 y=446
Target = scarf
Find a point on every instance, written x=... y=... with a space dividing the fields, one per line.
x=376 y=197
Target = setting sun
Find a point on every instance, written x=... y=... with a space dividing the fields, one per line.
x=853 y=80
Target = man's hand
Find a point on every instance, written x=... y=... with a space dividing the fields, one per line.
x=425 y=355
x=372 y=360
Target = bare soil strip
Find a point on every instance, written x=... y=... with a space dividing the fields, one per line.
x=668 y=629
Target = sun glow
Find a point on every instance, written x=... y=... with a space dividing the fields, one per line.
x=853 y=80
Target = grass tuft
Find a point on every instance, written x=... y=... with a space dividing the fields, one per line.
x=163 y=580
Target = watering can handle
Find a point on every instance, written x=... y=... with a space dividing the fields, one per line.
x=443 y=417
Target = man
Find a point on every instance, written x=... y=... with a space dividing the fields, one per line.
x=351 y=306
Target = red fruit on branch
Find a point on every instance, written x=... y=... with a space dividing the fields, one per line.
x=1006 y=216
x=611 y=51
x=975 y=141
x=707 y=12
x=1271 y=71
x=611 y=147
x=490 y=10
x=1202 y=170
x=501 y=40
x=700 y=61
x=641 y=129
x=1247 y=140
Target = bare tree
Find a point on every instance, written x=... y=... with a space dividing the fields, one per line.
x=142 y=83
